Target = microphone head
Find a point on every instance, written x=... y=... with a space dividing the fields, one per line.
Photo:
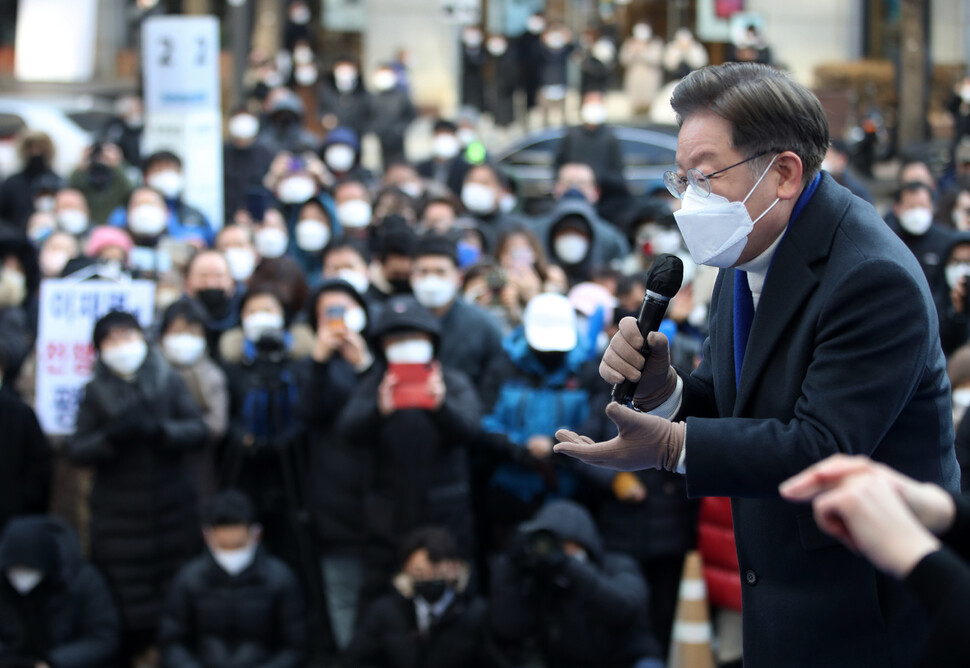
x=665 y=275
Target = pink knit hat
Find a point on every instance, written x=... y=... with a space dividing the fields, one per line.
x=106 y=235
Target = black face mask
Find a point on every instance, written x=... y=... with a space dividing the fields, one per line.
x=550 y=359
x=215 y=301
x=431 y=590
x=35 y=164
x=400 y=286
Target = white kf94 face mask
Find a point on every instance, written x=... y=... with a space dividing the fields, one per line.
x=716 y=229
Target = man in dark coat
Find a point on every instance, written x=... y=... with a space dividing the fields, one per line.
x=823 y=338
x=55 y=608
x=135 y=422
x=19 y=287
x=430 y=620
x=18 y=191
x=558 y=590
x=391 y=115
x=342 y=99
x=911 y=218
x=25 y=477
x=417 y=418
x=337 y=468
x=235 y=605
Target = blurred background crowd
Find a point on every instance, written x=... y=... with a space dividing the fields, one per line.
x=330 y=443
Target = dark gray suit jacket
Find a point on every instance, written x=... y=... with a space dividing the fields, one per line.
x=844 y=356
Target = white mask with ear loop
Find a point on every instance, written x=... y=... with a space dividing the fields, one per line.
x=716 y=229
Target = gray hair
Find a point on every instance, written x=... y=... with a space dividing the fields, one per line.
x=768 y=111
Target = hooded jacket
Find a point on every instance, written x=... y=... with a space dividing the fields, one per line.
x=18 y=323
x=69 y=620
x=954 y=327
x=143 y=522
x=312 y=262
x=25 y=477
x=580 y=612
x=214 y=620
x=606 y=242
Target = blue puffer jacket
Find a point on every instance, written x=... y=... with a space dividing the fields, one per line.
x=534 y=399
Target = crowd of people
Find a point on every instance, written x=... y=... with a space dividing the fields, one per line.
x=335 y=440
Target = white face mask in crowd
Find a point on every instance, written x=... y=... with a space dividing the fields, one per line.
x=445 y=146
x=571 y=248
x=305 y=75
x=147 y=220
x=357 y=280
x=243 y=126
x=242 y=262
x=296 y=189
x=385 y=80
x=72 y=221
x=355 y=320
x=916 y=221
x=354 y=213
x=339 y=157
x=478 y=198
x=271 y=242
x=183 y=349
x=125 y=359
x=434 y=291
x=345 y=78
x=261 y=322
x=13 y=287
x=24 y=580
x=955 y=271
x=593 y=113
x=715 y=229
x=168 y=182
x=312 y=235
x=235 y=562
x=411 y=351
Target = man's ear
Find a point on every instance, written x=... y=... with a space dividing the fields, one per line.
x=790 y=167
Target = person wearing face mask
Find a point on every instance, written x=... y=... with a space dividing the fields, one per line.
x=391 y=114
x=950 y=287
x=342 y=99
x=555 y=49
x=183 y=344
x=593 y=143
x=246 y=160
x=282 y=126
x=208 y=278
x=349 y=259
x=19 y=289
x=262 y=359
x=102 y=178
x=651 y=231
x=135 y=423
x=559 y=596
x=823 y=338
x=126 y=128
x=55 y=608
x=106 y=252
x=146 y=218
x=341 y=152
x=502 y=58
x=683 y=54
x=336 y=472
x=482 y=192
x=36 y=151
x=71 y=211
x=574 y=242
x=597 y=65
x=163 y=172
x=473 y=57
x=236 y=243
x=55 y=253
x=837 y=163
x=641 y=55
x=316 y=225
x=415 y=418
x=470 y=336
x=912 y=219
x=430 y=619
x=445 y=149
x=26 y=477
x=353 y=208
x=540 y=383
x=236 y=604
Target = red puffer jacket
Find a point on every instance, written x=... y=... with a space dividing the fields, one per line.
x=715 y=540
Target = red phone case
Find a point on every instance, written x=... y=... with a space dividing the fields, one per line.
x=411 y=390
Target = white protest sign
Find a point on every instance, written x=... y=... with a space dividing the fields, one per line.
x=65 y=353
x=183 y=112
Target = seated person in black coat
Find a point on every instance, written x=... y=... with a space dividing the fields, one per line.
x=235 y=605
x=55 y=608
x=429 y=620
x=557 y=594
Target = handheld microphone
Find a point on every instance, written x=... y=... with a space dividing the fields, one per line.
x=663 y=282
